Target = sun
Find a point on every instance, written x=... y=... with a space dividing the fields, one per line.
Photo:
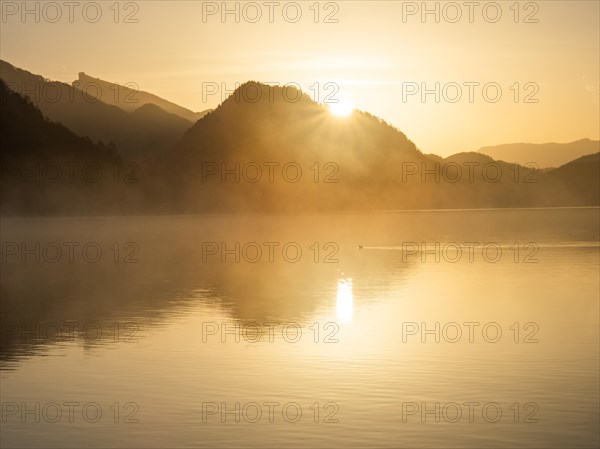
x=341 y=108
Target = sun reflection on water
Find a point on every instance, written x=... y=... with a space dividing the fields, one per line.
x=344 y=302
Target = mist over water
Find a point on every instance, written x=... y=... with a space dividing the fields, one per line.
x=377 y=319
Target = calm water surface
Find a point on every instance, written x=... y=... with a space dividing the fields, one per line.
x=398 y=344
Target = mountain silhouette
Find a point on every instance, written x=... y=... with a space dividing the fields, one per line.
x=576 y=183
x=372 y=160
x=294 y=131
x=545 y=155
x=27 y=134
x=274 y=151
x=46 y=169
x=136 y=135
x=130 y=99
x=358 y=158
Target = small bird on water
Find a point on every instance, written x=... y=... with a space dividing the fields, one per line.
x=360 y=247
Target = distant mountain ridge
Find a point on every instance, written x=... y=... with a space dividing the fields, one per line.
x=130 y=99
x=545 y=155
x=147 y=131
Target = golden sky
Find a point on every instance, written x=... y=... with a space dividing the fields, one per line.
x=376 y=53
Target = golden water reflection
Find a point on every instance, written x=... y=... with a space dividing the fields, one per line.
x=344 y=301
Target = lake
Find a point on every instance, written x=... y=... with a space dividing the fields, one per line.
x=416 y=329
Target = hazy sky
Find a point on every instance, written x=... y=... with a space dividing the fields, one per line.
x=377 y=53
